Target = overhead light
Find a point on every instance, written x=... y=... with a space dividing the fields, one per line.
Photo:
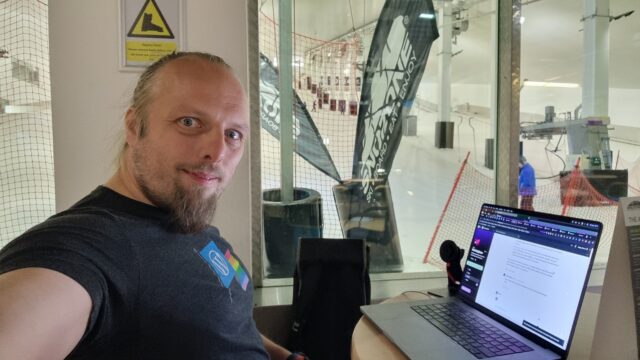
x=521 y=20
x=427 y=16
x=550 y=84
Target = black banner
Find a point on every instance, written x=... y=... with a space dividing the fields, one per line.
x=307 y=140
x=397 y=59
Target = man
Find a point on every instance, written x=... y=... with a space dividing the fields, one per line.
x=526 y=184
x=133 y=270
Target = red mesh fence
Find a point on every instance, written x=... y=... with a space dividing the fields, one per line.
x=572 y=195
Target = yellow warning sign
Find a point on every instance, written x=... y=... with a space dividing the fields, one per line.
x=150 y=23
x=143 y=51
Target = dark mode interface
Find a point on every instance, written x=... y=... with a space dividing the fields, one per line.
x=535 y=276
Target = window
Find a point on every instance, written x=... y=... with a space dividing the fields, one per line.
x=330 y=49
x=443 y=169
x=27 y=194
x=578 y=109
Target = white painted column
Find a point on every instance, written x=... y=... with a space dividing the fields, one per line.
x=493 y=87
x=286 y=103
x=595 y=78
x=444 y=93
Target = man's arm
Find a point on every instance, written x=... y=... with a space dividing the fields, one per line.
x=276 y=352
x=43 y=314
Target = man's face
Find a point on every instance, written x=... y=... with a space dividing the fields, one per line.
x=196 y=128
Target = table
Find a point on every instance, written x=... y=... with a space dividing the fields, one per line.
x=369 y=343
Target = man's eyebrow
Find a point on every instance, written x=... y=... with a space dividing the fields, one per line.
x=240 y=126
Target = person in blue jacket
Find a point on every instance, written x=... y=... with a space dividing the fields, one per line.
x=526 y=184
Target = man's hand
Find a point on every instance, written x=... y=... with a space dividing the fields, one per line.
x=276 y=352
x=43 y=314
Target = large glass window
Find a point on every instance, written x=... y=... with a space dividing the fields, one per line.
x=578 y=133
x=579 y=107
x=442 y=170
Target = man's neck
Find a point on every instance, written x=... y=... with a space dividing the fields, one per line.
x=123 y=183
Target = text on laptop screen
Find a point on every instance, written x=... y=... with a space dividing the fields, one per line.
x=530 y=268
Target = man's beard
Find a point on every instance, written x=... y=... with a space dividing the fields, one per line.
x=189 y=211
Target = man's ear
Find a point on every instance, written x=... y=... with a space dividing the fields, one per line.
x=131 y=126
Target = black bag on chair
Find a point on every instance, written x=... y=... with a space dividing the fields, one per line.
x=330 y=283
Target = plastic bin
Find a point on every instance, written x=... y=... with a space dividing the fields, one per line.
x=285 y=224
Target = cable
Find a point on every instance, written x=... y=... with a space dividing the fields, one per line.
x=564 y=164
x=473 y=131
x=554 y=151
x=353 y=24
x=418 y=292
x=547 y=177
x=558 y=143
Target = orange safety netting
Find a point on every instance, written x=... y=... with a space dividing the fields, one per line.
x=572 y=195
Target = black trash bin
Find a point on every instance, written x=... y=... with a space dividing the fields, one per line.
x=285 y=224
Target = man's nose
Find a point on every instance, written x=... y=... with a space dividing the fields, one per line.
x=214 y=146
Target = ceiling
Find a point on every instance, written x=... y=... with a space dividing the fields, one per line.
x=551 y=37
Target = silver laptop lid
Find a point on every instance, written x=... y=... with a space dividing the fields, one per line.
x=529 y=271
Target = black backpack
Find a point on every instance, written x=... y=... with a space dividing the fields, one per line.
x=330 y=283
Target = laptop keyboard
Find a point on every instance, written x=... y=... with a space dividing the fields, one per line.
x=476 y=335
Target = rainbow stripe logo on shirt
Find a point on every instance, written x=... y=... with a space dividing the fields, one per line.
x=241 y=275
x=226 y=266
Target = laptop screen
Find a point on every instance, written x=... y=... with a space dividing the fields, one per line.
x=531 y=269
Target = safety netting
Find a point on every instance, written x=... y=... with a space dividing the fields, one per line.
x=570 y=195
x=327 y=79
x=27 y=194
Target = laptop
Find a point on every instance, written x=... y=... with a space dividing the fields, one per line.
x=525 y=277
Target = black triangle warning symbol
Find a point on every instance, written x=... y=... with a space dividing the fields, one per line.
x=150 y=23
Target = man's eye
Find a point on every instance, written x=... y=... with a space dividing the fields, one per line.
x=234 y=134
x=189 y=122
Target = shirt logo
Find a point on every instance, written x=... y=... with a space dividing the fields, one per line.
x=241 y=275
x=218 y=262
x=226 y=266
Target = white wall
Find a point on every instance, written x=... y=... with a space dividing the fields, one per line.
x=90 y=94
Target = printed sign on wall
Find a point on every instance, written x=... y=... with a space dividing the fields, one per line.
x=150 y=29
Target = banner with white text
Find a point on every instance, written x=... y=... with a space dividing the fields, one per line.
x=397 y=59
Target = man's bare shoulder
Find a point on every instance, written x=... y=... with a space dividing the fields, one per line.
x=43 y=314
